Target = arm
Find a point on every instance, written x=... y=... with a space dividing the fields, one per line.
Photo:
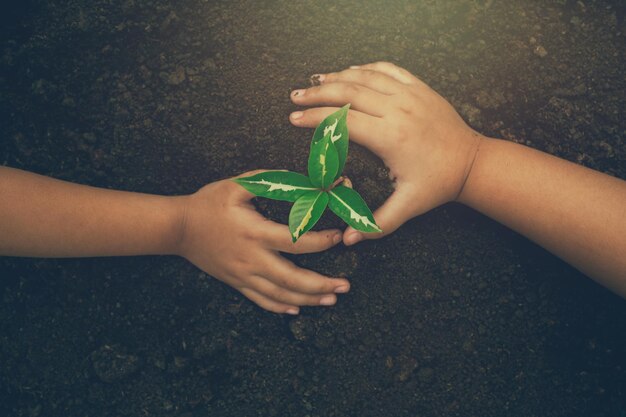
x=434 y=157
x=45 y=217
x=576 y=213
x=216 y=228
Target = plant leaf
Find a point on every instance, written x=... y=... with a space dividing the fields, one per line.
x=323 y=162
x=336 y=125
x=306 y=212
x=277 y=185
x=350 y=207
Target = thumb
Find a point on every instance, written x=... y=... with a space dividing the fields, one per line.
x=238 y=193
x=249 y=173
x=389 y=217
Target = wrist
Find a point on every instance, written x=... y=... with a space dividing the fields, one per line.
x=481 y=145
x=177 y=225
x=165 y=218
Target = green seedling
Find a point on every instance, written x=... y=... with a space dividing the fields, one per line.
x=324 y=187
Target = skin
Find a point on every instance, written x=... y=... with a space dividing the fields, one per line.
x=434 y=157
x=216 y=228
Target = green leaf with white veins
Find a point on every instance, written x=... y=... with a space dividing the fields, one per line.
x=337 y=126
x=350 y=207
x=323 y=163
x=306 y=212
x=311 y=195
x=277 y=185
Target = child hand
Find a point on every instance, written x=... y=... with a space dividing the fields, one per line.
x=224 y=236
x=421 y=138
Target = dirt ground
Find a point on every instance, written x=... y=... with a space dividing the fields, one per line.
x=453 y=315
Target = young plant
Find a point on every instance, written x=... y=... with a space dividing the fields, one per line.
x=311 y=195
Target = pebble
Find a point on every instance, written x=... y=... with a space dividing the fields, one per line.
x=607 y=148
x=300 y=328
x=540 y=51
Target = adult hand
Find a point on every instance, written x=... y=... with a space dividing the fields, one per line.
x=227 y=238
x=427 y=146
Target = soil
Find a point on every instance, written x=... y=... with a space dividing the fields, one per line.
x=453 y=315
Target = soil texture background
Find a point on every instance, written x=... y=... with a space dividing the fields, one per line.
x=453 y=315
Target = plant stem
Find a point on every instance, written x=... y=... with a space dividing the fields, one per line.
x=345 y=180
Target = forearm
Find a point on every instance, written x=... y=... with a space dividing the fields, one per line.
x=44 y=217
x=576 y=213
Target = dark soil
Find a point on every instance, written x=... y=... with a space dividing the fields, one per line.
x=453 y=315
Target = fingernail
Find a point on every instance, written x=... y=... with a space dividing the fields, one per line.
x=296 y=115
x=355 y=66
x=292 y=311
x=337 y=238
x=354 y=238
x=328 y=300
x=317 y=79
x=298 y=93
x=342 y=289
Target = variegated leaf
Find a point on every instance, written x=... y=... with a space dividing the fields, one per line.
x=336 y=125
x=277 y=185
x=350 y=207
x=323 y=162
x=306 y=212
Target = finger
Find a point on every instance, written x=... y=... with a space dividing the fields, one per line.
x=364 y=129
x=389 y=217
x=285 y=274
x=337 y=94
x=277 y=236
x=391 y=70
x=374 y=80
x=238 y=193
x=269 y=304
x=285 y=296
x=250 y=173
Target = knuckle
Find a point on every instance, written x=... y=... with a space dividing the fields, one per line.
x=348 y=89
x=241 y=265
x=398 y=133
x=368 y=73
x=251 y=234
x=334 y=76
x=313 y=241
x=321 y=284
x=296 y=248
x=310 y=117
x=273 y=308
x=292 y=282
x=280 y=295
x=312 y=92
x=284 y=281
x=312 y=300
x=406 y=103
x=413 y=95
x=405 y=110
